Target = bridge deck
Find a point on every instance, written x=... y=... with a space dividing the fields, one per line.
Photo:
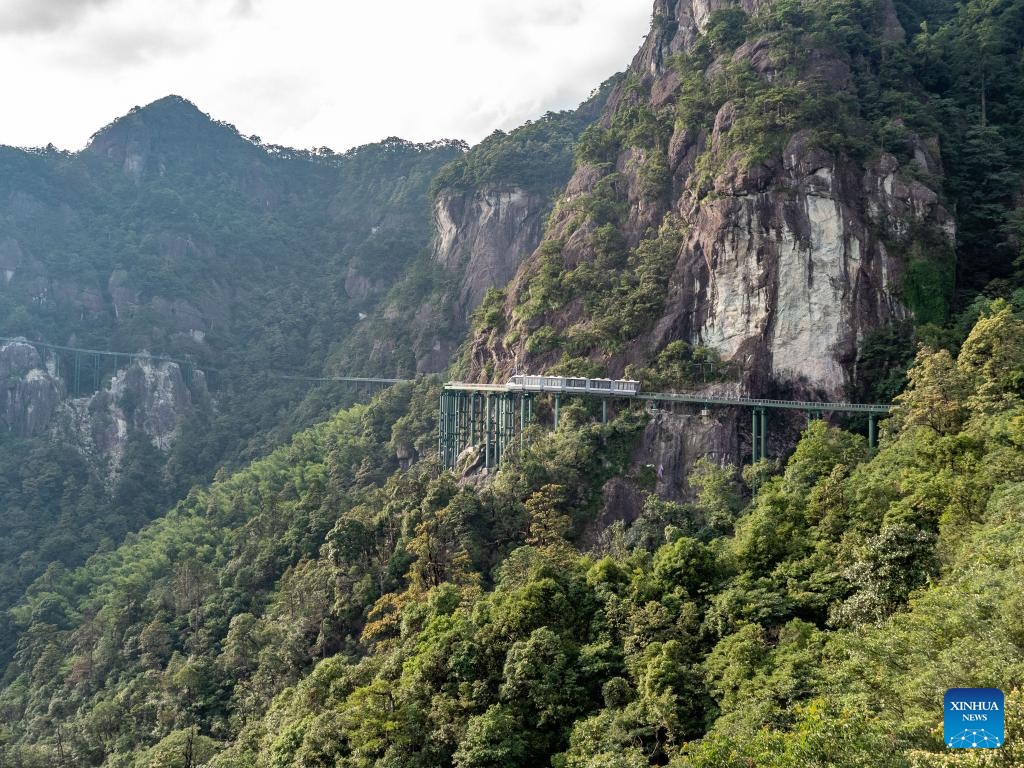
x=693 y=399
x=657 y=397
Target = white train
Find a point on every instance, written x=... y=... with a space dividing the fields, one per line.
x=617 y=387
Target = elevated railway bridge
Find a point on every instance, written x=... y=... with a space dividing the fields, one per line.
x=490 y=415
x=84 y=370
x=494 y=415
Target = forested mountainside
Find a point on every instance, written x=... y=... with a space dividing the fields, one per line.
x=325 y=608
x=787 y=184
x=173 y=234
x=489 y=209
x=778 y=197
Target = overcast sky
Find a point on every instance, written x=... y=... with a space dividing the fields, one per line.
x=308 y=73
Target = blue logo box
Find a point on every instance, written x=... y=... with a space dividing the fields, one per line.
x=974 y=718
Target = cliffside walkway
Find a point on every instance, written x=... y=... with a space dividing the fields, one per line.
x=80 y=365
x=495 y=414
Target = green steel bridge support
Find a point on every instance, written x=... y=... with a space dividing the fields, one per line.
x=493 y=416
x=493 y=420
x=759 y=435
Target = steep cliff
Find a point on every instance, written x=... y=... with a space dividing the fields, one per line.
x=172 y=232
x=735 y=195
x=483 y=235
x=489 y=207
x=149 y=397
x=29 y=395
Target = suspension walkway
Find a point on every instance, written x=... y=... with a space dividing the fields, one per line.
x=493 y=415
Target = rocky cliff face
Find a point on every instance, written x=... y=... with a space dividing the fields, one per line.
x=788 y=272
x=149 y=396
x=29 y=395
x=790 y=247
x=483 y=235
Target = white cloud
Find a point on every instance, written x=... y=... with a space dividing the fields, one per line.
x=305 y=72
x=19 y=16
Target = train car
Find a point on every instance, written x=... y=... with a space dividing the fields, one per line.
x=628 y=387
x=573 y=385
x=529 y=383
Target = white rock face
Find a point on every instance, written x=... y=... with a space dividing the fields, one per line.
x=788 y=283
x=160 y=398
x=813 y=309
x=737 y=300
x=149 y=396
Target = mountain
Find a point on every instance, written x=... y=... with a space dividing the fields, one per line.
x=778 y=184
x=779 y=197
x=172 y=234
x=489 y=207
x=250 y=265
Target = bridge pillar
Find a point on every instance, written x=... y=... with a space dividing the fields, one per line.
x=872 y=436
x=604 y=410
x=558 y=400
x=487 y=430
x=522 y=420
x=754 y=428
x=513 y=399
x=465 y=421
x=758 y=435
x=442 y=422
x=764 y=433
x=499 y=429
x=479 y=418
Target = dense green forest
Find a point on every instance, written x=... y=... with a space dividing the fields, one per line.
x=286 y=262
x=298 y=584
x=173 y=233
x=324 y=607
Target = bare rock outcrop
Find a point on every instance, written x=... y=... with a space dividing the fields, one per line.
x=483 y=235
x=150 y=396
x=29 y=395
